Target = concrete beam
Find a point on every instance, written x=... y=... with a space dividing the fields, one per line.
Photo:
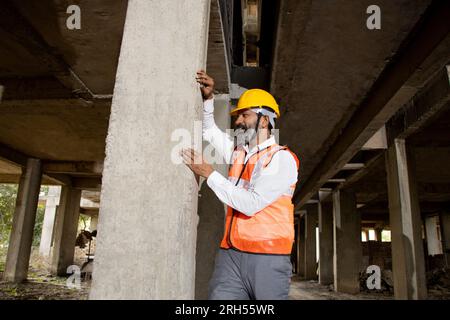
x=87 y=183
x=377 y=141
x=385 y=98
x=19 y=249
x=57 y=179
x=13 y=156
x=34 y=88
x=357 y=176
x=347 y=256
x=92 y=212
x=145 y=187
x=326 y=243
x=65 y=230
x=422 y=108
x=407 y=247
x=71 y=167
x=353 y=166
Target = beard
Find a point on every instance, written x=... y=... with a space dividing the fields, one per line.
x=243 y=135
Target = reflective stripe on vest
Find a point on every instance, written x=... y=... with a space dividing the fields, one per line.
x=269 y=231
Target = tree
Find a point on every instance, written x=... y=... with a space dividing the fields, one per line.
x=8 y=194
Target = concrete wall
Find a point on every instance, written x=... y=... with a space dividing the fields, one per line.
x=144 y=193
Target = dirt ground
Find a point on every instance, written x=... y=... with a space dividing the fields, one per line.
x=41 y=285
x=312 y=290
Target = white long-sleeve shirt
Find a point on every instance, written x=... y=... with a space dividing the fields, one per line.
x=275 y=179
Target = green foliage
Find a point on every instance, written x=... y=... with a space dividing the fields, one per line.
x=38 y=225
x=8 y=193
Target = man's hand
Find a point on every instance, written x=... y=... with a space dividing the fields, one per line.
x=206 y=84
x=196 y=163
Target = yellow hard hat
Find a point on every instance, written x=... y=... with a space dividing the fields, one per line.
x=256 y=98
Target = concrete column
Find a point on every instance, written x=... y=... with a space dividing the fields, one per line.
x=311 y=218
x=408 y=261
x=21 y=239
x=434 y=244
x=147 y=192
x=347 y=256
x=93 y=223
x=325 y=243
x=49 y=220
x=378 y=235
x=301 y=247
x=65 y=230
x=445 y=232
x=211 y=211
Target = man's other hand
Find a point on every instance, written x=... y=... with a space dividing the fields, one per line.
x=206 y=84
x=196 y=163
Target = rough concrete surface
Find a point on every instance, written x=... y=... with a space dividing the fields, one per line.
x=144 y=193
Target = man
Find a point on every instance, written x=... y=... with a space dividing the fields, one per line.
x=253 y=261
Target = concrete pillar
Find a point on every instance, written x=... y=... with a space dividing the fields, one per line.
x=51 y=203
x=347 y=256
x=434 y=244
x=408 y=261
x=211 y=211
x=147 y=192
x=378 y=235
x=21 y=239
x=325 y=243
x=301 y=247
x=93 y=223
x=66 y=227
x=311 y=218
x=445 y=232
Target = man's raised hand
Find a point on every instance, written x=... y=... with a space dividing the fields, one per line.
x=206 y=84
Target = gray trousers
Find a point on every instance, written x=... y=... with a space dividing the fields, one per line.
x=245 y=276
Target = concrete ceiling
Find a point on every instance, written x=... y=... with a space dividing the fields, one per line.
x=41 y=115
x=91 y=52
x=325 y=63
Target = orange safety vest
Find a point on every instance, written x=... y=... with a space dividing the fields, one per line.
x=269 y=231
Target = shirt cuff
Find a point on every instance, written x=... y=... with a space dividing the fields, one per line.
x=215 y=179
x=208 y=105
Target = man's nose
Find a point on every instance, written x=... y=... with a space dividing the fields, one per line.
x=238 y=121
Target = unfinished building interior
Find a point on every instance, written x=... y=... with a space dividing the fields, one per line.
x=94 y=109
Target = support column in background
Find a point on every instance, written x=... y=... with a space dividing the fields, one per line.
x=301 y=246
x=45 y=244
x=93 y=223
x=347 y=242
x=325 y=243
x=21 y=238
x=66 y=227
x=311 y=218
x=408 y=261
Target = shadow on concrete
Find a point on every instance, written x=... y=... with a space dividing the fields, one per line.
x=211 y=214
